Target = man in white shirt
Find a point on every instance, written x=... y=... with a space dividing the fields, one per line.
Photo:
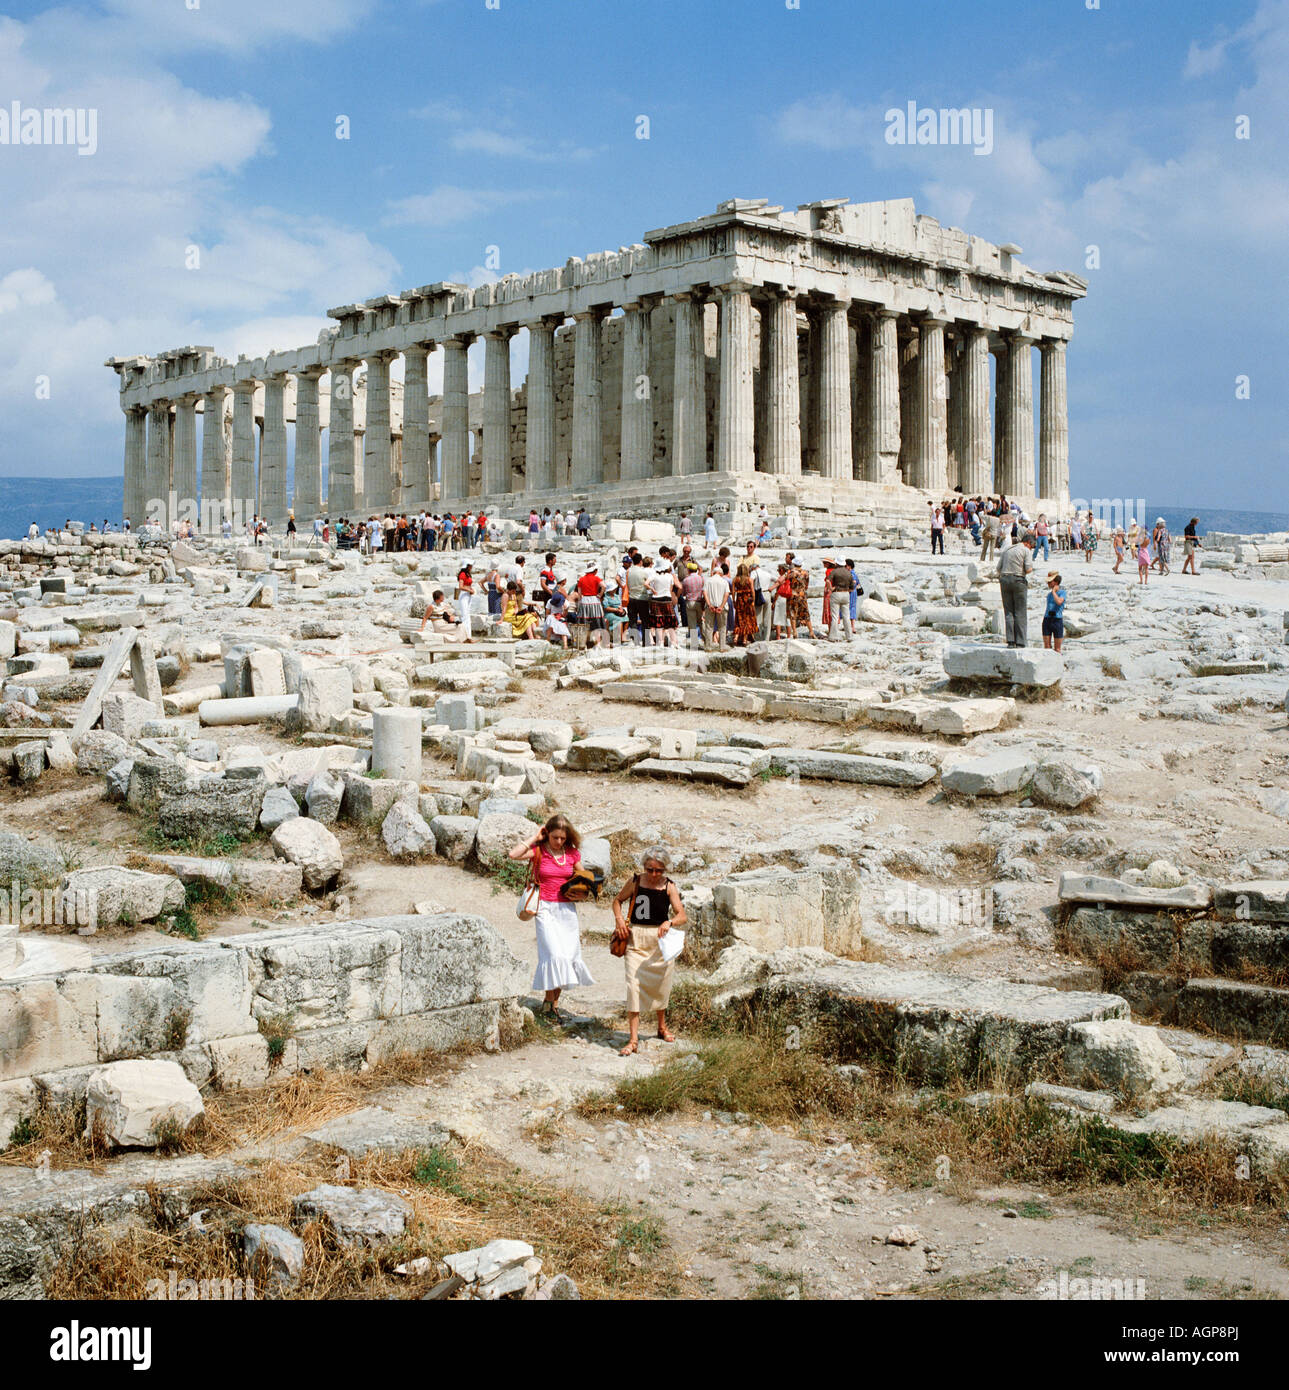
x=716 y=597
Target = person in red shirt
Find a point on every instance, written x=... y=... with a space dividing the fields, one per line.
x=590 y=609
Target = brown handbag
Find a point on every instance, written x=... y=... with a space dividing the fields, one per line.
x=618 y=944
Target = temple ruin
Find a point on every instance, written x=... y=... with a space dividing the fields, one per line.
x=835 y=359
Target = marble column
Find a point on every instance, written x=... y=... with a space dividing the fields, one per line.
x=834 y=391
x=184 y=481
x=378 y=456
x=783 y=387
x=932 y=404
x=1002 y=375
x=953 y=381
x=216 y=475
x=975 y=445
x=539 y=443
x=637 y=395
x=689 y=390
x=273 y=450
x=1018 y=437
x=307 y=486
x=496 y=412
x=1053 y=423
x=416 y=487
x=340 y=441
x=736 y=426
x=157 y=489
x=883 y=464
x=243 y=496
x=588 y=414
x=456 y=420
x=136 y=465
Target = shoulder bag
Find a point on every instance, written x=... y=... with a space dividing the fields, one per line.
x=530 y=899
x=618 y=944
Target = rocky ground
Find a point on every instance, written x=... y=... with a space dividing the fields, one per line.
x=1021 y=866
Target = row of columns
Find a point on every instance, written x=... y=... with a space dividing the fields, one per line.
x=919 y=412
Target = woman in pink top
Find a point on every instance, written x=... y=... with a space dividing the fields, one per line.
x=553 y=853
x=1143 y=560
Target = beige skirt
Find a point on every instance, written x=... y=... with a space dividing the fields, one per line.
x=648 y=975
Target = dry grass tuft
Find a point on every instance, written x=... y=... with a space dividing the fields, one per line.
x=460 y=1200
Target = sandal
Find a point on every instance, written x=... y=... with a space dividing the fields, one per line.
x=628 y=1049
x=666 y=1037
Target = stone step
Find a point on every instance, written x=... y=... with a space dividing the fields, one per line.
x=938 y=1026
x=1235 y=1008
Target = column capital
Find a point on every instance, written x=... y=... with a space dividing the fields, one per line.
x=503 y=331
x=782 y=292
x=737 y=287
x=696 y=293
x=825 y=299
x=380 y=355
x=1020 y=338
x=459 y=340
x=1053 y=344
x=542 y=321
x=596 y=311
x=310 y=373
x=188 y=398
x=419 y=349
x=934 y=321
x=246 y=387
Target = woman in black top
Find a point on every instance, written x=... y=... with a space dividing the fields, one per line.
x=646 y=909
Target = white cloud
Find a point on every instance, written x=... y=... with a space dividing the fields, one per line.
x=448 y=203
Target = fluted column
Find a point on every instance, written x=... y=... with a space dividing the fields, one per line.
x=1018 y=441
x=588 y=414
x=157 y=486
x=273 y=450
x=539 y=444
x=307 y=485
x=415 y=491
x=736 y=427
x=496 y=411
x=883 y=463
x=378 y=455
x=1053 y=423
x=834 y=391
x=183 y=482
x=1002 y=394
x=456 y=420
x=340 y=440
x=976 y=463
x=136 y=465
x=689 y=390
x=783 y=389
x=637 y=394
x=244 y=502
x=216 y=476
x=932 y=398
x=953 y=383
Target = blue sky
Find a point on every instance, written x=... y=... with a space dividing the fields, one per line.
x=515 y=127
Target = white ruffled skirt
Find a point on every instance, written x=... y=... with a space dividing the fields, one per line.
x=559 y=948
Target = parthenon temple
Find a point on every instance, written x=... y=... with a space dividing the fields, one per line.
x=834 y=358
